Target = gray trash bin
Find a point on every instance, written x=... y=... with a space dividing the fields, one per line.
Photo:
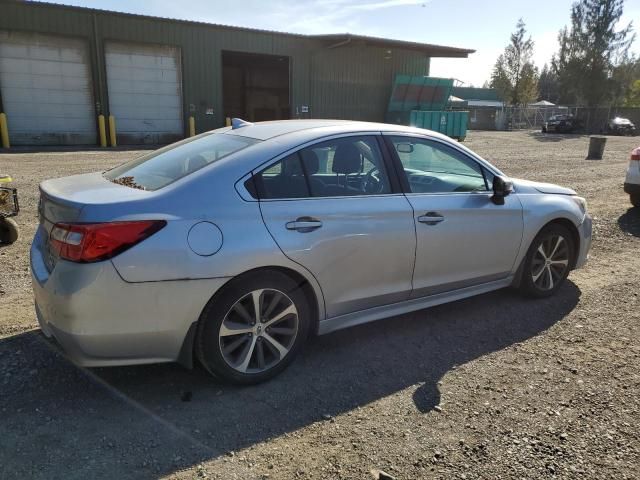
x=596 y=147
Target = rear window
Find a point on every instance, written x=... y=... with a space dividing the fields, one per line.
x=162 y=167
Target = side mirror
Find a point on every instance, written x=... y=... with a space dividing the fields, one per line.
x=502 y=187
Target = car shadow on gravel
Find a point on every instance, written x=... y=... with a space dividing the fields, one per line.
x=553 y=137
x=629 y=222
x=148 y=421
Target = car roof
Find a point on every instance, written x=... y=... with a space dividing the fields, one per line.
x=280 y=128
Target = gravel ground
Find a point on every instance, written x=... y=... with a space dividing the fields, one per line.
x=491 y=387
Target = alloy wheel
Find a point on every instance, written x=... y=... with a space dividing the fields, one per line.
x=258 y=331
x=550 y=262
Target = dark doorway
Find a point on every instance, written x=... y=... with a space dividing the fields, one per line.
x=255 y=87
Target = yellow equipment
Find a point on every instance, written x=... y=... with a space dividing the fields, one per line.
x=8 y=208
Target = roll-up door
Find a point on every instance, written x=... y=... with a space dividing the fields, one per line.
x=46 y=88
x=145 y=92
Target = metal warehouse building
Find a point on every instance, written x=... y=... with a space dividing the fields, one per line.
x=61 y=67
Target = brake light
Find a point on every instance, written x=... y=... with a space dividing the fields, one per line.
x=93 y=242
x=635 y=154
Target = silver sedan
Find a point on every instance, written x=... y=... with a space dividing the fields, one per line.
x=234 y=246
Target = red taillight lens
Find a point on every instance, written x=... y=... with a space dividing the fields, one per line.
x=635 y=154
x=93 y=242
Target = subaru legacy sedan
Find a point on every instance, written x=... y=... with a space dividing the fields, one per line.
x=232 y=247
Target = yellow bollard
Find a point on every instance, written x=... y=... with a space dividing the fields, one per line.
x=228 y=122
x=4 y=131
x=112 y=130
x=102 y=131
x=192 y=126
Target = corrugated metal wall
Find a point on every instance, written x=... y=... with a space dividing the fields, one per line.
x=351 y=81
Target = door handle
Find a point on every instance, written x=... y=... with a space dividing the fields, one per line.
x=431 y=218
x=304 y=224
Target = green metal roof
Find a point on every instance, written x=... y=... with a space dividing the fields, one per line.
x=473 y=93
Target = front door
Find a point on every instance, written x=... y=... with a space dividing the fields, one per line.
x=463 y=238
x=332 y=208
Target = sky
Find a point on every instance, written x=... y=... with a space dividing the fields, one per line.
x=483 y=25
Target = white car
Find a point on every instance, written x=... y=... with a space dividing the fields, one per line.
x=632 y=182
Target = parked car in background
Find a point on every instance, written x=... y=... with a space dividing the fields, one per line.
x=620 y=126
x=237 y=244
x=632 y=180
x=563 y=123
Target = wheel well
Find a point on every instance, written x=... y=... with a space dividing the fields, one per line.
x=300 y=281
x=306 y=288
x=186 y=356
x=575 y=236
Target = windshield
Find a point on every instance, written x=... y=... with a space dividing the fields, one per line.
x=162 y=167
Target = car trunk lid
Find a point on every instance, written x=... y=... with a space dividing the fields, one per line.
x=70 y=199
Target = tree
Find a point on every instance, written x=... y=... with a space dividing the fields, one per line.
x=548 y=85
x=514 y=75
x=589 y=51
x=632 y=98
x=624 y=77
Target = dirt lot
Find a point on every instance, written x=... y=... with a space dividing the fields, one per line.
x=491 y=387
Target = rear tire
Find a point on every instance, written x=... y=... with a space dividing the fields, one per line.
x=265 y=343
x=635 y=199
x=548 y=262
x=8 y=231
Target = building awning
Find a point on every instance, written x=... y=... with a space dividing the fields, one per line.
x=542 y=103
x=485 y=103
x=339 y=39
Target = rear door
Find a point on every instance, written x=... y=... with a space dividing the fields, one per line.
x=333 y=208
x=463 y=238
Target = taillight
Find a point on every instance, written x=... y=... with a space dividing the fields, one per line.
x=93 y=242
x=635 y=154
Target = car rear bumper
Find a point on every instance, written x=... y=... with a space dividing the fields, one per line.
x=100 y=320
x=585 y=230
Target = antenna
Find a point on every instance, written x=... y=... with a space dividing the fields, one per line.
x=239 y=123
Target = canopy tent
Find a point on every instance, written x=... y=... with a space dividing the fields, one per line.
x=542 y=103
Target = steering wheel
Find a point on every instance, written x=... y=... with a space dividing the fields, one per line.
x=372 y=182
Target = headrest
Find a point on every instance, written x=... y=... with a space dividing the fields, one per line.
x=291 y=165
x=310 y=160
x=195 y=163
x=346 y=159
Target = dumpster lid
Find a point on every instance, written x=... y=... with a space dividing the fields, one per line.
x=419 y=93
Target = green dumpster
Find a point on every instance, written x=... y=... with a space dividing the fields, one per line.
x=420 y=102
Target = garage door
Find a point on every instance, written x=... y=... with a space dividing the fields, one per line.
x=145 y=92
x=46 y=89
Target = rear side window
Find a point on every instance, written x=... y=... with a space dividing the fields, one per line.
x=162 y=167
x=347 y=166
x=284 y=179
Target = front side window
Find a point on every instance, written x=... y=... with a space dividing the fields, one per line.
x=432 y=167
x=344 y=166
x=162 y=167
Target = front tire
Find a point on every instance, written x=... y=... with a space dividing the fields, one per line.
x=548 y=262
x=253 y=328
x=635 y=199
